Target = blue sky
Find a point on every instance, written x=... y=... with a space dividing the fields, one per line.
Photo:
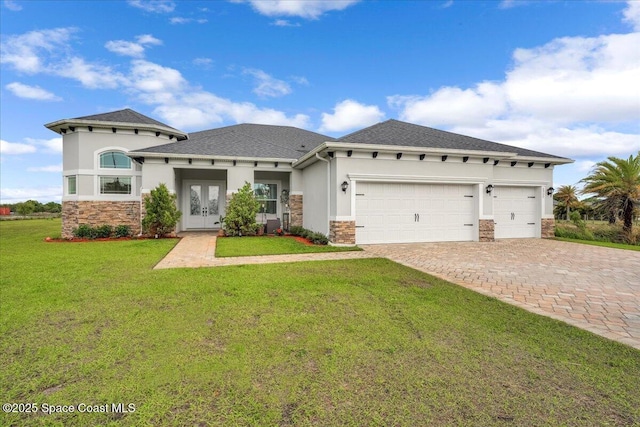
x=561 y=77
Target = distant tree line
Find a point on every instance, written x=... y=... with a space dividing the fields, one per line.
x=33 y=206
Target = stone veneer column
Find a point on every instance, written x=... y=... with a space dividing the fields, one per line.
x=487 y=230
x=548 y=226
x=96 y=213
x=342 y=232
x=295 y=208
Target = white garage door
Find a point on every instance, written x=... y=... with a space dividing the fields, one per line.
x=404 y=213
x=515 y=212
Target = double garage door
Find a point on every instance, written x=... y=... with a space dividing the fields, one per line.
x=405 y=213
x=408 y=213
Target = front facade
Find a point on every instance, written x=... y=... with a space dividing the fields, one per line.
x=393 y=182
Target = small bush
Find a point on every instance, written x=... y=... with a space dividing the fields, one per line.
x=296 y=230
x=576 y=219
x=319 y=239
x=84 y=231
x=103 y=231
x=122 y=231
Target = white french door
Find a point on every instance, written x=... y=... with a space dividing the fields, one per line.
x=203 y=204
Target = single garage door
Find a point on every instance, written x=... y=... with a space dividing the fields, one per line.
x=405 y=213
x=515 y=212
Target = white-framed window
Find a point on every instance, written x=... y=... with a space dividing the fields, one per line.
x=115 y=185
x=72 y=184
x=114 y=160
x=267 y=196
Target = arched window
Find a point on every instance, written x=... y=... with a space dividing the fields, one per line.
x=114 y=160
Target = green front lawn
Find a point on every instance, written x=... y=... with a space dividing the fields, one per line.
x=360 y=343
x=605 y=244
x=270 y=245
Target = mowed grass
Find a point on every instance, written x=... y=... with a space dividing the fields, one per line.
x=271 y=245
x=604 y=244
x=357 y=343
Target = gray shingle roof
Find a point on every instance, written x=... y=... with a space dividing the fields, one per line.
x=246 y=140
x=125 y=116
x=395 y=132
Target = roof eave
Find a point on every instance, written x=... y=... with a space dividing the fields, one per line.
x=148 y=154
x=310 y=156
x=59 y=124
x=552 y=160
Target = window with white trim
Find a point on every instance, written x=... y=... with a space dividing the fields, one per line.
x=267 y=197
x=71 y=184
x=114 y=160
x=115 y=185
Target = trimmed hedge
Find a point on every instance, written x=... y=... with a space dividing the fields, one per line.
x=312 y=236
x=84 y=231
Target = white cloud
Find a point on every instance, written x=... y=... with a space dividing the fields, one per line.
x=568 y=97
x=203 y=62
x=632 y=14
x=155 y=6
x=53 y=145
x=12 y=5
x=285 y=23
x=26 y=52
x=133 y=49
x=348 y=115
x=300 y=80
x=148 y=39
x=92 y=76
x=9 y=148
x=180 y=20
x=125 y=48
x=266 y=85
x=15 y=195
x=447 y=4
x=309 y=9
x=31 y=92
x=584 y=166
x=52 y=168
x=150 y=77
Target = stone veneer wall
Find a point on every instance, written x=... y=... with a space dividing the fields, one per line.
x=342 y=232
x=95 y=213
x=548 y=228
x=295 y=207
x=487 y=230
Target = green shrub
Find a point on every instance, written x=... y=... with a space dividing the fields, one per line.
x=103 y=231
x=122 y=231
x=576 y=219
x=241 y=213
x=296 y=230
x=84 y=231
x=162 y=215
x=319 y=239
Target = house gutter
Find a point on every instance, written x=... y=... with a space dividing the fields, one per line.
x=328 y=189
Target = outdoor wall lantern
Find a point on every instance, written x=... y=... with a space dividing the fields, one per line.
x=550 y=191
x=489 y=188
x=344 y=186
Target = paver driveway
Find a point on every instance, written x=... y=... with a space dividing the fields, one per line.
x=594 y=288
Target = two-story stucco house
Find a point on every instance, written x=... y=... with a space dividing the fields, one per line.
x=392 y=182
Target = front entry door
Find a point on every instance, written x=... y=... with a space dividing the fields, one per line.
x=203 y=205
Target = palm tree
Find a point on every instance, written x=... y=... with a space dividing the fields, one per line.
x=566 y=196
x=617 y=182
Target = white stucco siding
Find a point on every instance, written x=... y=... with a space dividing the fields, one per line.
x=315 y=209
x=237 y=176
x=156 y=172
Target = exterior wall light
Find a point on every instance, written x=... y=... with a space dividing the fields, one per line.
x=550 y=191
x=489 y=188
x=344 y=186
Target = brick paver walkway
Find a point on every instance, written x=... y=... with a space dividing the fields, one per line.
x=591 y=287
